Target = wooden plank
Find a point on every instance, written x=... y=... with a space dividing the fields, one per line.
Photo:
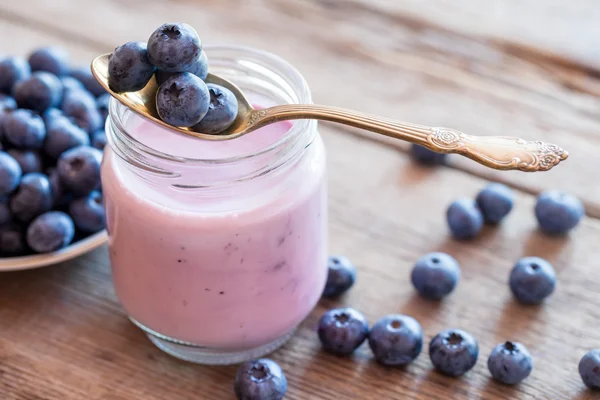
x=391 y=66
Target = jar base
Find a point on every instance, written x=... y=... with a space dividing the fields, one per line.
x=207 y=355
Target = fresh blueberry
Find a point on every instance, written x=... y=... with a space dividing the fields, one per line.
x=13 y=70
x=5 y=216
x=200 y=69
x=557 y=213
x=10 y=173
x=50 y=59
x=532 y=279
x=453 y=352
x=81 y=107
x=50 y=231
x=24 y=129
x=79 y=169
x=182 y=100
x=396 y=340
x=60 y=195
x=129 y=69
x=88 y=212
x=102 y=103
x=510 y=363
x=222 y=110
x=464 y=219
x=99 y=139
x=7 y=102
x=12 y=242
x=427 y=157
x=435 y=275
x=63 y=135
x=32 y=198
x=84 y=75
x=39 y=92
x=495 y=202
x=342 y=330
x=174 y=47
x=341 y=276
x=261 y=379
x=69 y=84
x=589 y=369
x=29 y=161
x=51 y=114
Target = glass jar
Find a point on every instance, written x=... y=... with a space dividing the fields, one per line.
x=218 y=249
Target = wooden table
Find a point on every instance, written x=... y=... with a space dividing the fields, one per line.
x=527 y=68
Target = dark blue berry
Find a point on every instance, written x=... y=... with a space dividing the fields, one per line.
x=102 y=103
x=510 y=363
x=532 y=279
x=129 y=69
x=50 y=59
x=200 y=69
x=396 y=340
x=341 y=276
x=32 y=198
x=88 y=212
x=261 y=379
x=80 y=106
x=39 y=92
x=427 y=157
x=24 y=129
x=60 y=195
x=10 y=173
x=63 y=135
x=12 y=242
x=5 y=216
x=342 y=330
x=79 y=169
x=69 y=84
x=174 y=47
x=435 y=275
x=85 y=76
x=29 y=160
x=99 y=139
x=589 y=369
x=7 y=102
x=50 y=231
x=464 y=219
x=453 y=352
x=222 y=110
x=557 y=213
x=182 y=100
x=495 y=202
x=13 y=70
x=51 y=114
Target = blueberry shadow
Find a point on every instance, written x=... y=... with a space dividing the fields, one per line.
x=421 y=308
x=543 y=245
x=499 y=389
x=516 y=319
x=587 y=394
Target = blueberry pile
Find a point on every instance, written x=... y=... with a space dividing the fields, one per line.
x=173 y=55
x=51 y=140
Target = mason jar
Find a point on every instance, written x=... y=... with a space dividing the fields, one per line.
x=218 y=248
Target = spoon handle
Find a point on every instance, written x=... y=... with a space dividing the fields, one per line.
x=498 y=152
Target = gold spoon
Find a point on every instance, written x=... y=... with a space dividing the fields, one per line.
x=498 y=152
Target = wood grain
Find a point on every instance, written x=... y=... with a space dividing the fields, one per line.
x=64 y=336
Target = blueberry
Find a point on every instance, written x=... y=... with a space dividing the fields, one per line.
x=24 y=129
x=79 y=169
x=39 y=92
x=32 y=198
x=50 y=231
x=182 y=100
x=99 y=139
x=260 y=380
x=341 y=276
x=589 y=369
x=52 y=114
x=70 y=84
x=532 y=279
x=174 y=47
x=129 y=69
x=10 y=173
x=88 y=212
x=342 y=330
x=222 y=110
x=435 y=275
x=7 y=102
x=60 y=195
x=63 y=135
x=5 y=216
x=453 y=352
x=12 y=242
x=510 y=363
x=199 y=68
x=80 y=106
x=85 y=76
x=495 y=202
x=29 y=161
x=13 y=70
x=102 y=103
x=464 y=219
x=427 y=157
x=50 y=59
x=557 y=213
x=396 y=340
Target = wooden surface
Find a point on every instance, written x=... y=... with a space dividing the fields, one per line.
x=527 y=68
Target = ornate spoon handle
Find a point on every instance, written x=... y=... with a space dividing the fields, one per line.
x=498 y=152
